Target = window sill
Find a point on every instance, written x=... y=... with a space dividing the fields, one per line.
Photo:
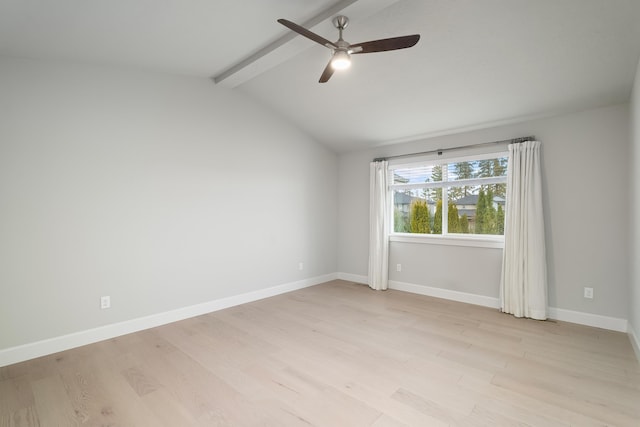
x=484 y=241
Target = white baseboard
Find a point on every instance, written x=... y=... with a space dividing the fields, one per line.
x=364 y=280
x=53 y=345
x=635 y=341
x=588 y=319
x=445 y=294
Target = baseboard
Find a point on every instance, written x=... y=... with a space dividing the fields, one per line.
x=53 y=345
x=635 y=341
x=445 y=294
x=588 y=319
x=364 y=280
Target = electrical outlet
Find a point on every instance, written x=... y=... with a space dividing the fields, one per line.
x=588 y=293
x=105 y=302
x=300 y=266
x=398 y=267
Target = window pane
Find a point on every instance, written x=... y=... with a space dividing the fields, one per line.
x=413 y=211
x=477 y=169
x=462 y=170
x=416 y=175
x=479 y=212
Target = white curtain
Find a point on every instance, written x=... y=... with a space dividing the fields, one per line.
x=379 y=217
x=523 y=287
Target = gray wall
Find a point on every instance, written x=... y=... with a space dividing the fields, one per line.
x=164 y=192
x=160 y=191
x=634 y=299
x=586 y=205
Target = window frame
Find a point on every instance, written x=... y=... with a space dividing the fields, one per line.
x=452 y=239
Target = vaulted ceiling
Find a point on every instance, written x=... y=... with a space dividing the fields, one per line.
x=479 y=62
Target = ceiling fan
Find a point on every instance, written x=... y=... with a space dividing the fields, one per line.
x=342 y=50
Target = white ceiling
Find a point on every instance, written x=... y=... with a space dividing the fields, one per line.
x=479 y=62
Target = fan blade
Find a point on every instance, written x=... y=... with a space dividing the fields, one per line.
x=326 y=74
x=308 y=34
x=382 y=45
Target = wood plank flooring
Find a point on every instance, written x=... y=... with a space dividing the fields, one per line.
x=337 y=354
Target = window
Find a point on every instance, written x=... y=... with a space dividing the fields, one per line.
x=460 y=197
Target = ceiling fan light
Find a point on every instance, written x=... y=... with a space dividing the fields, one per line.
x=341 y=60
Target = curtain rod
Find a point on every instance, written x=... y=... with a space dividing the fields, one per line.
x=439 y=151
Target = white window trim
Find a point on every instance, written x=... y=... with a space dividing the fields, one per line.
x=458 y=183
x=468 y=240
x=433 y=159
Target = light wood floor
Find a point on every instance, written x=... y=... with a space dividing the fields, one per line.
x=336 y=354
